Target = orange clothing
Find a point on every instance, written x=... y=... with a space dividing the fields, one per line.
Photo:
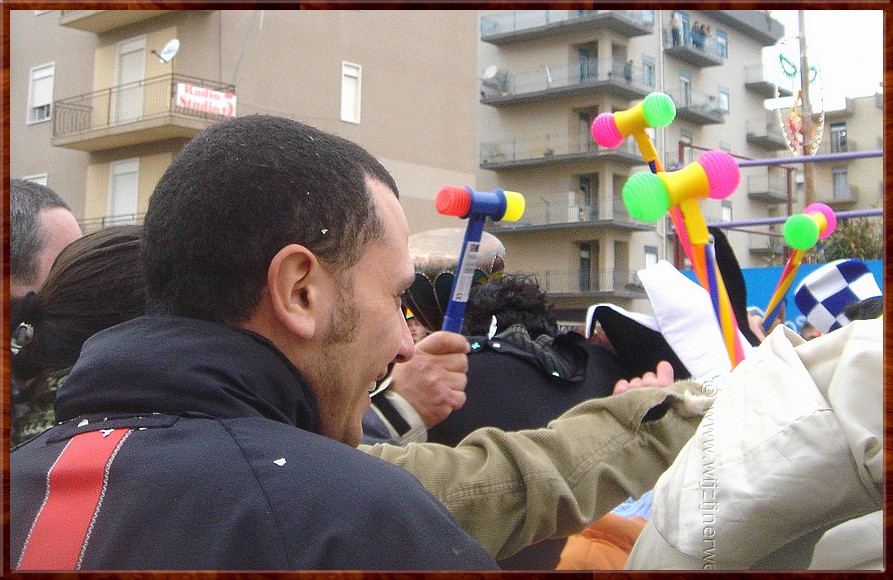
x=605 y=545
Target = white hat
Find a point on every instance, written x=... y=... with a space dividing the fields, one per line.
x=684 y=325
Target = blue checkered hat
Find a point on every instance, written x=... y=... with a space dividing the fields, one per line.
x=824 y=294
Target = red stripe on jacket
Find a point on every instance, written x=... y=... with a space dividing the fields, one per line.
x=75 y=487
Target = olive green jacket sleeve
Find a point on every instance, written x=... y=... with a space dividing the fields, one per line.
x=510 y=490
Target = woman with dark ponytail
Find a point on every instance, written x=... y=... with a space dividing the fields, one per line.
x=95 y=282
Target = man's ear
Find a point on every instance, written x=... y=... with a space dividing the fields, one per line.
x=292 y=280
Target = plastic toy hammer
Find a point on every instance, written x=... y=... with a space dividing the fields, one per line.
x=801 y=231
x=648 y=196
x=657 y=110
x=477 y=206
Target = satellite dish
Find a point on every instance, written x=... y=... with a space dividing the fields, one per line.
x=491 y=71
x=169 y=51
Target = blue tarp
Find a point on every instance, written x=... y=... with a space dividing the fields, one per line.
x=761 y=283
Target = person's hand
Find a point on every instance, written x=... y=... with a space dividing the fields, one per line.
x=755 y=323
x=663 y=378
x=434 y=380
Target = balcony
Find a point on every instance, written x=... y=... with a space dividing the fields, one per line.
x=834 y=143
x=840 y=197
x=699 y=108
x=522 y=25
x=617 y=79
x=765 y=133
x=603 y=284
x=562 y=211
x=767 y=245
x=99 y=21
x=758 y=78
x=163 y=107
x=756 y=24
x=554 y=148
x=694 y=49
x=90 y=225
x=770 y=187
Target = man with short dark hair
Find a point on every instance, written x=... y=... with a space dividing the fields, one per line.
x=217 y=432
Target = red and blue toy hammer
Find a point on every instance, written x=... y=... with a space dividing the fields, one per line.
x=477 y=206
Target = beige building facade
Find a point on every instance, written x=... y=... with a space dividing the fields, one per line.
x=858 y=183
x=99 y=112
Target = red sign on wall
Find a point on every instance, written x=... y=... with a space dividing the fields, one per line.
x=205 y=100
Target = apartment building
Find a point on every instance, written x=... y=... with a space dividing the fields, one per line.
x=546 y=74
x=99 y=107
x=852 y=183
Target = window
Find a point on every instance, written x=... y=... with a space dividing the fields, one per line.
x=722 y=39
x=589 y=189
x=838 y=138
x=687 y=137
x=585 y=267
x=726 y=210
x=684 y=88
x=131 y=72
x=648 y=17
x=724 y=99
x=648 y=69
x=650 y=256
x=351 y=86
x=40 y=94
x=588 y=57
x=840 y=185
x=123 y=191
x=686 y=27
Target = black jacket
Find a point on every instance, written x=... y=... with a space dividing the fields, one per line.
x=192 y=445
x=517 y=383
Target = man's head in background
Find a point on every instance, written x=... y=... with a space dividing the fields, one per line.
x=41 y=225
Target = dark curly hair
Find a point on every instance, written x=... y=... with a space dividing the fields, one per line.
x=513 y=299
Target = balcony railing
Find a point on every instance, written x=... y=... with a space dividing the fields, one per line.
x=151 y=98
x=526 y=20
x=847 y=193
x=568 y=76
x=838 y=146
x=90 y=225
x=767 y=187
x=579 y=282
x=699 y=107
x=571 y=209
x=770 y=245
x=547 y=147
x=765 y=133
x=621 y=214
x=695 y=49
x=766 y=81
x=560 y=209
